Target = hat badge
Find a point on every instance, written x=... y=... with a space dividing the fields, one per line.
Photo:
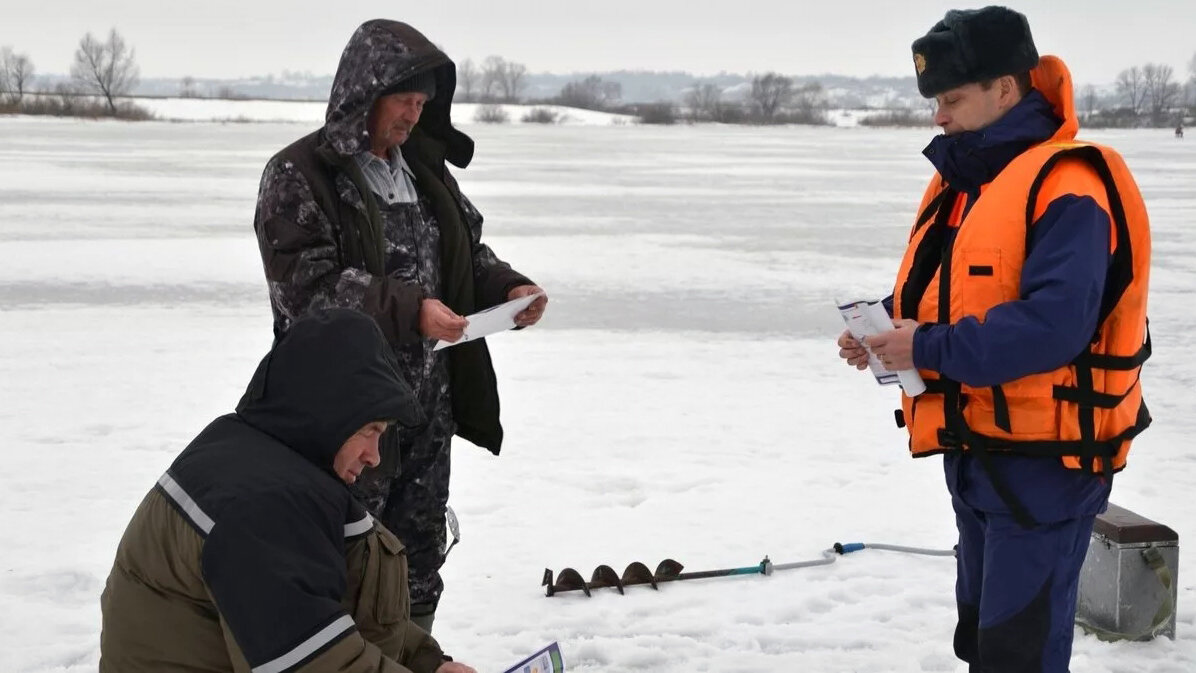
x=920 y=63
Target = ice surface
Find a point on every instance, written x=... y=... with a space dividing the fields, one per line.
x=682 y=398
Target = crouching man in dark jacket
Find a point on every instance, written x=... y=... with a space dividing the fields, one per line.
x=250 y=554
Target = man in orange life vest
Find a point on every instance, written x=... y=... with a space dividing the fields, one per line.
x=1021 y=299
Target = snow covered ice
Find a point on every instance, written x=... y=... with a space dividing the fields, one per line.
x=681 y=399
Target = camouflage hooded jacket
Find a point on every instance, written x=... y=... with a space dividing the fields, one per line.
x=321 y=233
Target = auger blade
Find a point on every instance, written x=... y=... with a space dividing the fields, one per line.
x=638 y=573
x=668 y=570
x=605 y=576
x=568 y=580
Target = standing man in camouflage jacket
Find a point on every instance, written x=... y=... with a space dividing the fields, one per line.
x=363 y=214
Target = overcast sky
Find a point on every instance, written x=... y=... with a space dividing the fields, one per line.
x=234 y=38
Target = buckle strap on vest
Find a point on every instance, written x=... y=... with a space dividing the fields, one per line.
x=1001 y=409
x=1043 y=448
x=1054 y=447
x=1087 y=418
x=1118 y=362
x=1085 y=396
x=957 y=425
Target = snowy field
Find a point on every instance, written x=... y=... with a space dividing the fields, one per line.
x=682 y=398
x=220 y=110
x=312 y=112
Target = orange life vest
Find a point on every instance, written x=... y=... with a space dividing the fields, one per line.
x=1087 y=411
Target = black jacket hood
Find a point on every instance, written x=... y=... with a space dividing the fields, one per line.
x=379 y=55
x=326 y=377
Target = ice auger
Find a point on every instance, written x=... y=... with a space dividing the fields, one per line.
x=670 y=571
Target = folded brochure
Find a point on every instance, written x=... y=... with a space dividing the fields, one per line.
x=867 y=318
x=547 y=660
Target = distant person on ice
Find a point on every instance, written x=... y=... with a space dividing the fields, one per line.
x=364 y=214
x=1021 y=300
x=250 y=553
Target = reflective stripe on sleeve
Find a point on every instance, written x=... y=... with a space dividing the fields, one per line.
x=359 y=527
x=184 y=501
x=326 y=635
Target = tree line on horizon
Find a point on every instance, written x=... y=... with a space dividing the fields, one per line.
x=104 y=74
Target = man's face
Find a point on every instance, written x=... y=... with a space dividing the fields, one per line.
x=392 y=118
x=971 y=107
x=358 y=452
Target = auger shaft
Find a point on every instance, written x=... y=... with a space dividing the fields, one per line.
x=670 y=571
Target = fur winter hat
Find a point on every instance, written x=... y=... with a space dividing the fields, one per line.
x=973 y=45
x=423 y=82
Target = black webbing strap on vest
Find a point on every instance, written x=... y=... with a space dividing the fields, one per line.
x=1119 y=362
x=1087 y=414
x=934 y=207
x=957 y=431
x=1121 y=269
x=928 y=257
x=959 y=434
x=1001 y=409
x=1085 y=396
x=1118 y=280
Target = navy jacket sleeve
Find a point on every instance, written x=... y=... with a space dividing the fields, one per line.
x=1062 y=282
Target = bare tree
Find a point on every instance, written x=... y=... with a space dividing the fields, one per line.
x=514 y=79
x=1160 y=92
x=16 y=74
x=809 y=99
x=591 y=93
x=610 y=93
x=227 y=92
x=105 y=68
x=187 y=88
x=494 y=74
x=67 y=97
x=21 y=74
x=1192 y=80
x=1089 y=98
x=5 y=55
x=770 y=92
x=1131 y=88
x=705 y=102
x=467 y=79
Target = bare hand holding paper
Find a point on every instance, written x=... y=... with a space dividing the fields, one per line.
x=494 y=319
